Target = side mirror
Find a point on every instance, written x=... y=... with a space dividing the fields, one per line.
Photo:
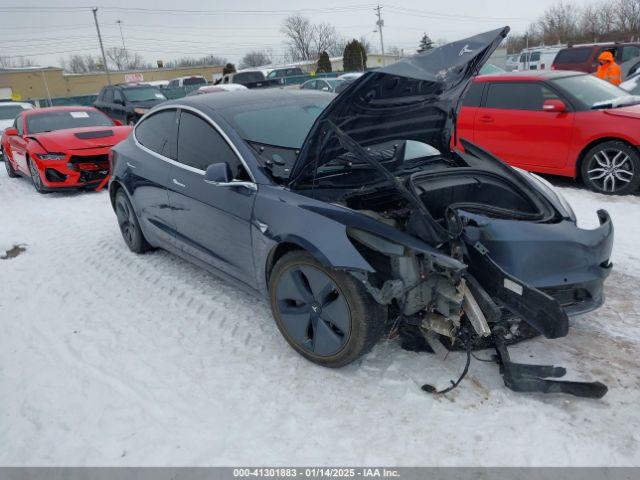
x=325 y=89
x=11 y=131
x=118 y=101
x=218 y=173
x=117 y=123
x=554 y=106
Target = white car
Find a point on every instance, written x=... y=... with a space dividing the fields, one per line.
x=186 y=81
x=351 y=75
x=8 y=112
x=632 y=84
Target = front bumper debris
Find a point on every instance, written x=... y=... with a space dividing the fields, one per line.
x=534 y=378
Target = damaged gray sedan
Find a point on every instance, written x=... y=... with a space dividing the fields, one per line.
x=355 y=216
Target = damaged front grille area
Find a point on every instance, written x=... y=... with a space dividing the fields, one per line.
x=92 y=168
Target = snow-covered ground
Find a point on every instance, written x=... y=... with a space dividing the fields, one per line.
x=109 y=358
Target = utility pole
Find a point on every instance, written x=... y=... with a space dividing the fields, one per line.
x=104 y=57
x=126 y=54
x=46 y=87
x=380 y=24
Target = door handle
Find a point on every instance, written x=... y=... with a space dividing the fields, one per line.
x=486 y=119
x=176 y=182
x=130 y=165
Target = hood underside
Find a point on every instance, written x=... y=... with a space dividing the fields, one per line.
x=416 y=98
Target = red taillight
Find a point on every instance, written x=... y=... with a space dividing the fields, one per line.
x=553 y=67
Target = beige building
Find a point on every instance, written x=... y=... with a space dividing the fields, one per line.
x=38 y=83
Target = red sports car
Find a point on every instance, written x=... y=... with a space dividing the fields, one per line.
x=61 y=147
x=560 y=123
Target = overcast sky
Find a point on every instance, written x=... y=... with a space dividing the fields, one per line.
x=50 y=30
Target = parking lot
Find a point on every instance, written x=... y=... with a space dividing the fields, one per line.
x=148 y=360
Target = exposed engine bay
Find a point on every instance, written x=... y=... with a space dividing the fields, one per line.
x=466 y=252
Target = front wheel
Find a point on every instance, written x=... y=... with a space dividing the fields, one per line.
x=612 y=168
x=325 y=315
x=129 y=226
x=35 y=177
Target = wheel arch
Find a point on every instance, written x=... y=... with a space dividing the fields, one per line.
x=595 y=143
x=287 y=245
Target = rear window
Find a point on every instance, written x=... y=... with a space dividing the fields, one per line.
x=573 y=55
x=535 y=56
x=143 y=94
x=62 y=120
x=194 y=81
x=248 y=77
x=9 y=112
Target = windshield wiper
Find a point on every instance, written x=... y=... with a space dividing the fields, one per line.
x=617 y=102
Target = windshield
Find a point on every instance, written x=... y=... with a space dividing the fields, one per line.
x=279 y=125
x=9 y=112
x=62 y=120
x=334 y=82
x=590 y=90
x=143 y=94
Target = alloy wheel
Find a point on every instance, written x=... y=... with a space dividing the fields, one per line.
x=610 y=170
x=35 y=176
x=126 y=220
x=313 y=310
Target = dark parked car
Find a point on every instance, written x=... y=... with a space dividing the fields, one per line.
x=281 y=73
x=128 y=103
x=352 y=215
x=584 y=58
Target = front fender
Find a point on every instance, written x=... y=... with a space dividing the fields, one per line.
x=320 y=228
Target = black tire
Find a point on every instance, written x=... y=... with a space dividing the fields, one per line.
x=10 y=171
x=611 y=168
x=36 y=179
x=327 y=339
x=129 y=225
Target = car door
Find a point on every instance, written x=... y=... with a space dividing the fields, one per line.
x=512 y=125
x=119 y=109
x=148 y=172
x=213 y=221
x=18 y=145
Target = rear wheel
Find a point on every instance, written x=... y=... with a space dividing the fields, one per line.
x=10 y=171
x=129 y=226
x=612 y=168
x=324 y=314
x=35 y=177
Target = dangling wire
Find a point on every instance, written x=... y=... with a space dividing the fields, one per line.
x=431 y=389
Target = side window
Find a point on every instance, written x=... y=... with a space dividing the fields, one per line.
x=200 y=145
x=159 y=133
x=117 y=95
x=108 y=95
x=20 y=124
x=473 y=97
x=518 y=96
x=310 y=85
x=226 y=80
x=535 y=57
x=629 y=52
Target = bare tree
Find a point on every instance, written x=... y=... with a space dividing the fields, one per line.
x=16 y=62
x=255 y=58
x=325 y=39
x=117 y=57
x=627 y=17
x=558 y=23
x=300 y=36
x=208 y=60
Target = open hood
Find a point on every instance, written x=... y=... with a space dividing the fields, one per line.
x=416 y=98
